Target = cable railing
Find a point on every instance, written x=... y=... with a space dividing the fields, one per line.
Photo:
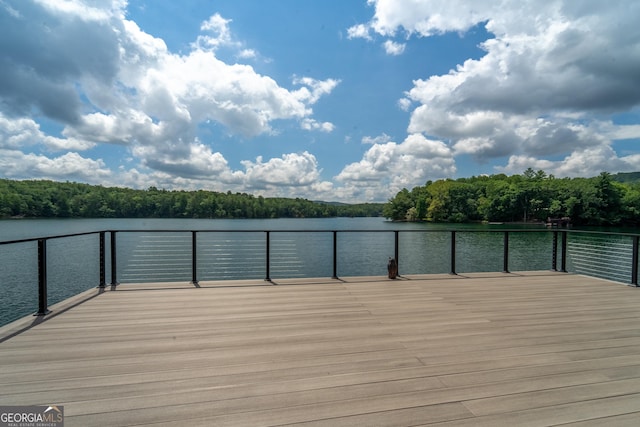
x=115 y=257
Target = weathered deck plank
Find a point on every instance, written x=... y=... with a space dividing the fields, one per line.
x=536 y=348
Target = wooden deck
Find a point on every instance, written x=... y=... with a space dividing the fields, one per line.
x=527 y=349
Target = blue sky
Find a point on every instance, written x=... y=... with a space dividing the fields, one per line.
x=327 y=100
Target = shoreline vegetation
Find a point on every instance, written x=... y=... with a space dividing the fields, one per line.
x=533 y=197
x=51 y=199
x=530 y=198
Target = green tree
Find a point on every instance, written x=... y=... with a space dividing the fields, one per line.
x=397 y=207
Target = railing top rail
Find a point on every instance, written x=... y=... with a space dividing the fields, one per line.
x=35 y=239
x=406 y=230
x=394 y=230
x=412 y=230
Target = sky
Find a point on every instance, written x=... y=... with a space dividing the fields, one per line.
x=348 y=100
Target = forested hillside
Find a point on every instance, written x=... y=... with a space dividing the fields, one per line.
x=532 y=196
x=48 y=199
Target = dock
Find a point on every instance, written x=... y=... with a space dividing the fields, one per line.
x=485 y=349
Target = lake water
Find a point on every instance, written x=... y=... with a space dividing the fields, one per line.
x=235 y=249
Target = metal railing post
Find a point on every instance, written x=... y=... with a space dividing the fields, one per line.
x=103 y=268
x=453 y=253
x=396 y=251
x=114 y=263
x=335 y=255
x=268 y=256
x=42 y=278
x=554 y=252
x=194 y=259
x=634 y=262
x=563 y=265
x=505 y=255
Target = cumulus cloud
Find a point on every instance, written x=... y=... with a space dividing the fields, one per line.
x=84 y=65
x=392 y=166
x=393 y=48
x=247 y=54
x=219 y=33
x=69 y=166
x=359 y=31
x=47 y=48
x=380 y=139
x=23 y=132
x=313 y=89
x=404 y=104
x=311 y=124
x=547 y=90
x=294 y=173
x=199 y=162
x=550 y=74
x=580 y=163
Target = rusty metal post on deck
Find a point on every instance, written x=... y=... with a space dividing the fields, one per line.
x=42 y=278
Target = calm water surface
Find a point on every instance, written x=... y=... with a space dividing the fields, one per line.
x=235 y=249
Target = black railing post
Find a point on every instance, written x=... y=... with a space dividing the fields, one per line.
x=194 y=259
x=453 y=252
x=396 y=251
x=268 y=256
x=554 y=252
x=103 y=263
x=634 y=262
x=114 y=264
x=42 y=278
x=505 y=257
x=563 y=265
x=335 y=255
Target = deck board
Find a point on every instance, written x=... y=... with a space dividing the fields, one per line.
x=531 y=349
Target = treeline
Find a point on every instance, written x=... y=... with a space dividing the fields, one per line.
x=49 y=199
x=533 y=196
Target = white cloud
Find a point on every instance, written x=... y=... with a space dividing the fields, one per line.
x=404 y=104
x=107 y=81
x=620 y=132
x=380 y=139
x=424 y=18
x=580 y=163
x=219 y=33
x=550 y=73
x=314 y=89
x=393 y=48
x=247 y=54
x=387 y=167
x=549 y=85
x=359 y=31
x=24 y=132
x=289 y=171
x=69 y=166
x=91 y=10
x=199 y=162
x=311 y=124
